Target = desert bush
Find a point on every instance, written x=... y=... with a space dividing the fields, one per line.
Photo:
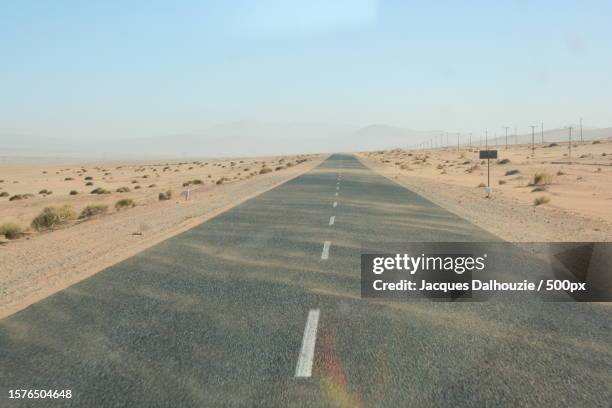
x=88 y=178
x=10 y=230
x=100 y=190
x=134 y=181
x=538 y=189
x=51 y=217
x=560 y=173
x=277 y=168
x=68 y=179
x=124 y=203
x=501 y=182
x=165 y=195
x=45 y=191
x=596 y=141
x=4 y=194
x=16 y=197
x=553 y=145
x=137 y=187
x=265 y=170
x=123 y=189
x=73 y=192
x=481 y=185
x=89 y=183
x=541 y=179
x=221 y=180
x=503 y=161
x=197 y=181
x=152 y=185
x=92 y=210
x=541 y=200
x=473 y=168
x=512 y=172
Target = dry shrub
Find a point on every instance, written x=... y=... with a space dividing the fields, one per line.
x=541 y=179
x=100 y=190
x=124 y=203
x=541 y=200
x=123 y=189
x=10 y=230
x=265 y=170
x=512 y=172
x=92 y=210
x=165 y=195
x=473 y=168
x=52 y=217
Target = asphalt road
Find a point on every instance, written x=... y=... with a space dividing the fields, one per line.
x=215 y=317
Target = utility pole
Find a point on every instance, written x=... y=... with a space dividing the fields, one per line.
x=542 y=133
x=470 y=138
x=447 y=144
x=515 y=136
x=581 y=130
x=487 y=139
x=533 y=139
x=570 y=143
x=506 y=127
x=458 y=134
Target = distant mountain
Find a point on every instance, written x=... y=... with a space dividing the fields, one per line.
x=380 y=136
x=252 y=138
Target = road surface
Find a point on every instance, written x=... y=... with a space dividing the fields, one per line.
x=261 y=306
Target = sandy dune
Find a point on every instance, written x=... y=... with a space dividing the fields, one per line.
x=40 y=263
x=576 y=194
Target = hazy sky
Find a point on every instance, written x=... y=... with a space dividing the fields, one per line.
x=92 y=69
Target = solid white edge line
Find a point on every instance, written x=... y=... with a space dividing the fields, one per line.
x=304 y=364
x=332 y=219
x=325 y=252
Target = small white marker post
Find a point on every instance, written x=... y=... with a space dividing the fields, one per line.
x=304 y=364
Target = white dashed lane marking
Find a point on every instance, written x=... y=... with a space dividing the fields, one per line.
x=304 y=364
x=332 y=219
x=335 y=204
x=325 y=252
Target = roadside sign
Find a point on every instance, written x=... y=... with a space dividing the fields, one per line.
x=488 y=154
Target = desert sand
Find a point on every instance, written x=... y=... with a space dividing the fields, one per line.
x=537 y=195
x=39 y=263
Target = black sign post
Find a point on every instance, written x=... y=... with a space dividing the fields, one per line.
x=488 y=154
